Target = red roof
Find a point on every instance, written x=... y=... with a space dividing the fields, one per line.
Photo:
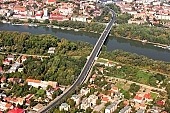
x=16 y=110
x=51 y=0
x=138 y=97
x=160 y=102
x=147 y=96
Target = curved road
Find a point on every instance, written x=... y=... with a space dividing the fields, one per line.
x=87 y=67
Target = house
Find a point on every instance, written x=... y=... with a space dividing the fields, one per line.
x=84 y=91
x=6 y=62
x=148 y=97
x=112 y=107
x=33 y=82
x=3 y=79
x=115 y=89
x=43 y=84
x=14 y=80
x=29 y=96
x=76 y=98
x=4 y=106
x=105 y=99
x=14 y=67
x=140 y=111
x=51 y=2
x=38 y=107
x=84 y=105
x=17 y=110
x=138 y=99
x=64 y=106
x=51 y=50
x=79 y=18
x=92 y=100
x=143 y=106
x=23 y=58
x=10 y=57
x=126 y=109
x=109 y=64
x=160 y=102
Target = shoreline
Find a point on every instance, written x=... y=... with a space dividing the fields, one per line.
x=82 y=29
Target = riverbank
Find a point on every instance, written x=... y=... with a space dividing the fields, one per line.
x=82 y=29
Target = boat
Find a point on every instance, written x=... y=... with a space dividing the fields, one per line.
x=168 y=47
x=56 y=27
x=34 y=25
x=48 y=26
x=62 y=28
x=16 y=24
x=68 y=28
x=76 y=30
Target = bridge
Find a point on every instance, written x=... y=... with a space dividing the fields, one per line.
x=87 y=67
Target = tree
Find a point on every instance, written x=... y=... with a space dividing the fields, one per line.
x=46 y=21
x=29 y=20
x=89 y=110
x=98 y=101
x=71 y=102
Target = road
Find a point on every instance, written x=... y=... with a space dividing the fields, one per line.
x=87 y=67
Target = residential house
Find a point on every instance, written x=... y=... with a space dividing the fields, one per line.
x=126 y=109
x=105 y=99
x=23 y=58
x=33 y=82
x=92 y=100
x=3 y=79
x=4 y=106
x=64 y=106
x=140 y=111
x=160 y=102
x=109 y=64
x=38 y=107
x=138 y=99
x=84 y=91
x=79 y=18
x=143 y=106
x=6 y=62
x=14 y=67
x=51 y=50
x=10 y=57
x=49 y=93
x=17 y=110
x=84 y=105
x=115 y=89
x=112 y=107
x=51 y=2
x=14 y=80
x=76 y=98
x=148 y=97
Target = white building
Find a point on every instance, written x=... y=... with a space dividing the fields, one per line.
x=126 y=109
x=84 y=105
x=64 y=106
x=112 y=107
x=79 y=18
x=92 y=100
x=76 y=98
x=84 y=91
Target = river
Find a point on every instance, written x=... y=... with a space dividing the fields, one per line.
x=112 y=43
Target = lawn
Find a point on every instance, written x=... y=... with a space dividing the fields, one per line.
x=154 y=95
x=102 y=60
x=143 y=75
x=122 y=85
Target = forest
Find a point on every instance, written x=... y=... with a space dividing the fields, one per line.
x=63 y=66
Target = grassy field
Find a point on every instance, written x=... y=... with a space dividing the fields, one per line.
x=122 y=85
x=143 y=75
x=154 y=95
